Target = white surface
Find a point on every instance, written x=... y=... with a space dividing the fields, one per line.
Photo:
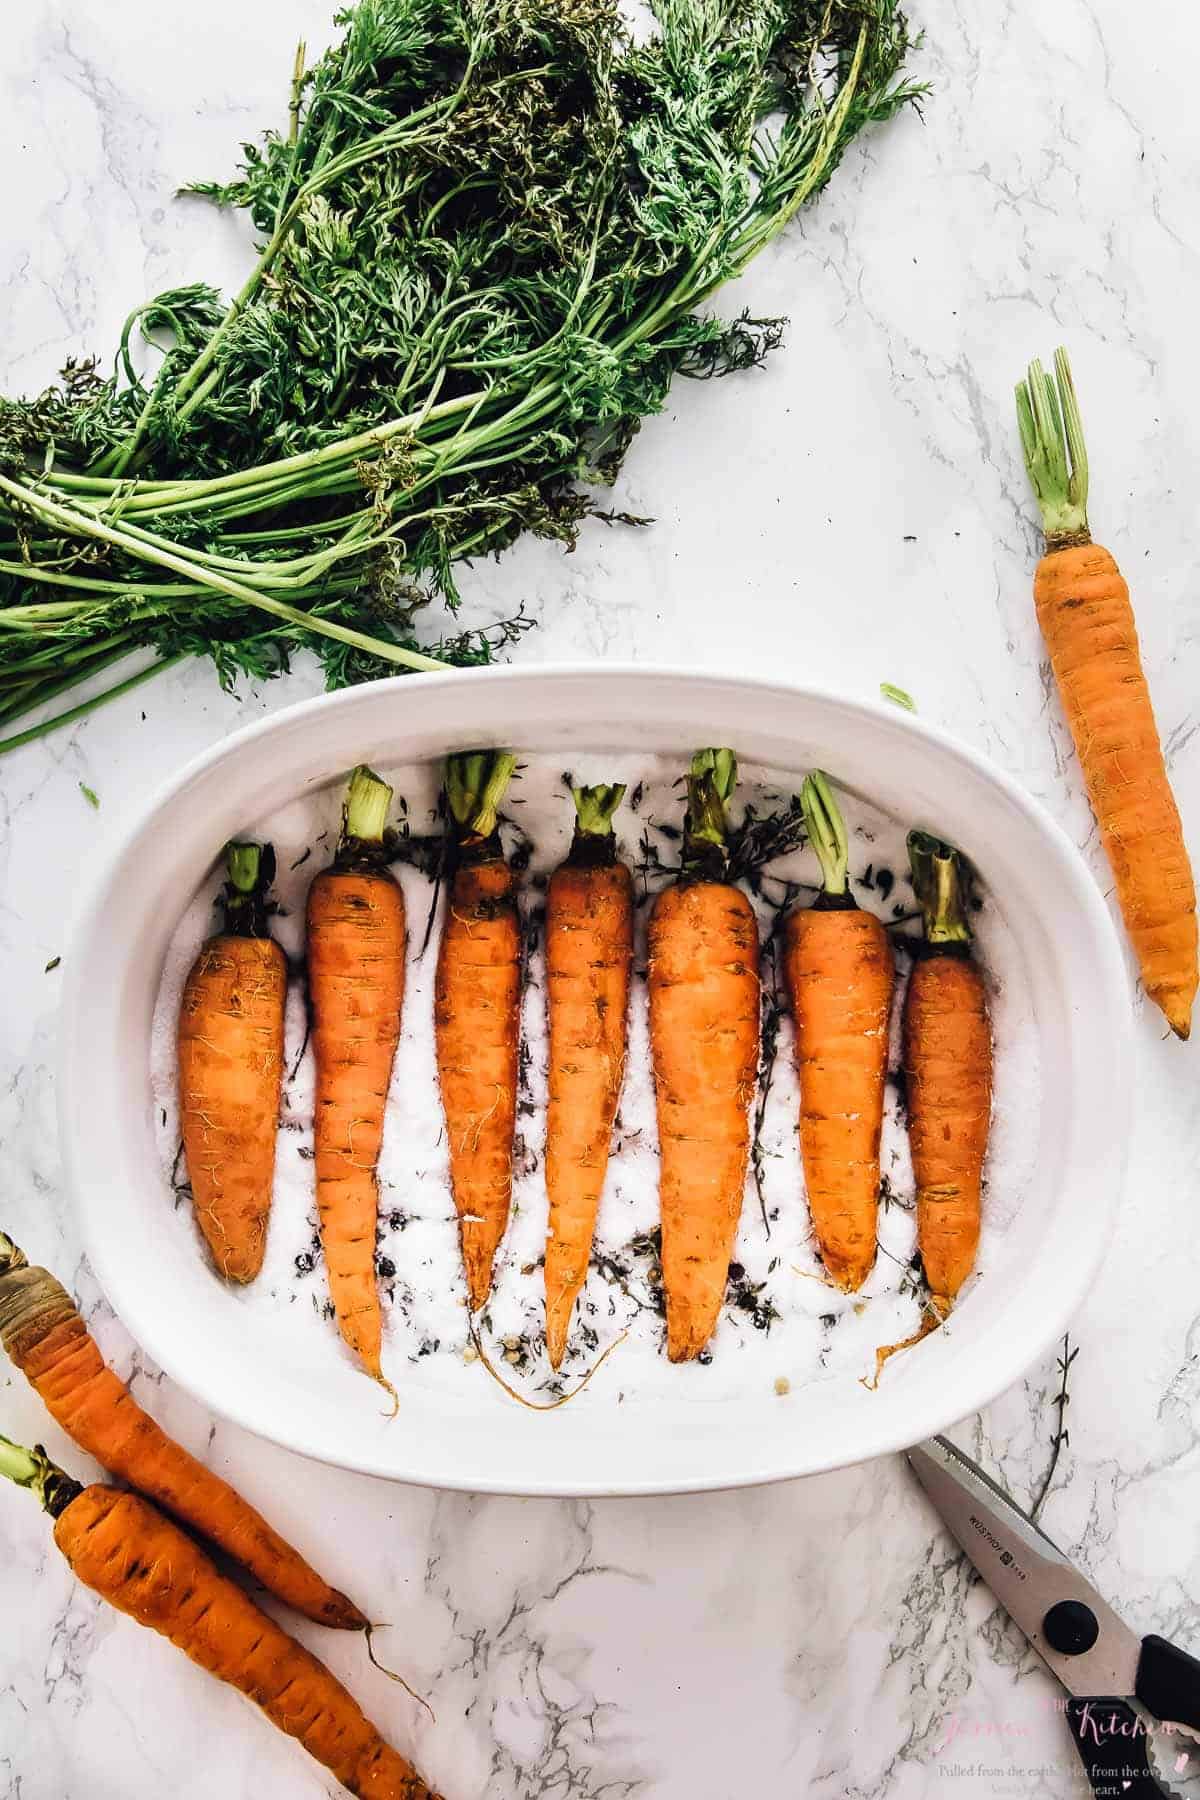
x=818 y=1638
x=640 y=1427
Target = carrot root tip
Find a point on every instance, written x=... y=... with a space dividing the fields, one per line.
x=391 y=1674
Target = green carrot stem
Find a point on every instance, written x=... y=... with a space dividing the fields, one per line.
x=364 y=820
x=594 y=844
x=77 y=521
x=244 y=862
x=711 y=780
x=475 y=785
x=244 y=899
x=940 y=882
x=33 y=1469
x=1055 y=452
x=32 y=732
x=827 y=834
x=595 y=807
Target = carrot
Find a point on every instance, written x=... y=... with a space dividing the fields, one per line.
x=840 y=976
x=1087 y=622
x=230 y=1046
x=43 y=1334
x=589 y=952
x=355 y=930
x=704 y=1036
x=118 y=1545
x=477 y=1010
x=947 y=1055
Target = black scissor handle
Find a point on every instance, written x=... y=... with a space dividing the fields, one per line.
x=1168 y=1682
x=1111 y=1741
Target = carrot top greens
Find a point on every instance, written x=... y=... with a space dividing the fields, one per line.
x=243 y=902
x=711 y=780
x=475 y=785
x=1055 y=452
x=827 y=834
x=595 y=808
x=487 y=240
x=940 y=882
x=33 y=1469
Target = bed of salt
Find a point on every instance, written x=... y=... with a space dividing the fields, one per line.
x=782 y=1321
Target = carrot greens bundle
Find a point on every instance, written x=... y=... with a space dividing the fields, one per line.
x=484 y=239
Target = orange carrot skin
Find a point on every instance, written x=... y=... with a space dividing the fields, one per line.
x=230 y=1071
x=841 y=976
x=589 y=953
x=947 y=1053
x=356 y=950
x=476 y=1029
x=45 y=1337
x=704 y=1035
x=142 y=1564
x=1087 y=622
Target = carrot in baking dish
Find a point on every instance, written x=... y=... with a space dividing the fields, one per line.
x=356 y=938
x=947 y=1055
x=1087 y=621
x=230 y=1048
x=45 y=1337
x=840 y=977
x=477 y=1010
x=118 y=1545
x=589 y=952
x=704 y=1038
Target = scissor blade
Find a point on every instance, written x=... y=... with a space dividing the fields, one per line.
x=1025 y=1570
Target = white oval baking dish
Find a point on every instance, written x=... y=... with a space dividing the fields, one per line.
x=195 y=1328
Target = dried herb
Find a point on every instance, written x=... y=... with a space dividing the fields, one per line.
x=486 y=240
x=1061 y=1435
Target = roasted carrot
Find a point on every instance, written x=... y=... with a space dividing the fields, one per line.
x=118 y=1545
x=704 y=1036
x=230 y=1047
x=356 y=938
x=589 y=951
x=45 y=1337
x=477 y=1010
x=1087 y=622
x=840 y=976
x=947 y=1055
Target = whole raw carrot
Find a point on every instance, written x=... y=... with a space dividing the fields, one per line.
x=840 y=975
x=230 y=1048
x=704 y=1036
x=118 y=1545
x=1087 y=621
x=476 y=1013
x=947 y=1054
x=356 y=938
x=589 y=952
x=44 y=1336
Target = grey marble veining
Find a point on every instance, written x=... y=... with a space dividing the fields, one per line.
x=856 y=512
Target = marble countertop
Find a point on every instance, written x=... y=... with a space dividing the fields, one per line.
x=854 y=513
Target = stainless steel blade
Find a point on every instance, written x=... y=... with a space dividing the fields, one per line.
x=1025 y=1570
